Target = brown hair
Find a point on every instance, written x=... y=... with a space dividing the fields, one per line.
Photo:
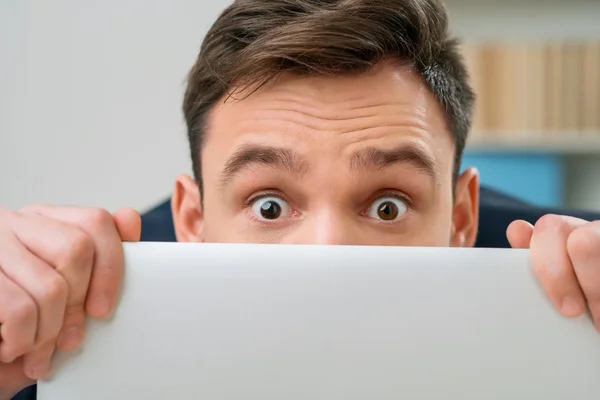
x=253 y=41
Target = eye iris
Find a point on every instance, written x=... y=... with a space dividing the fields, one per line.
x=270 y=210
x=387 y=211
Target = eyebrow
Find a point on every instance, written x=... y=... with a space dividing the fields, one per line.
x=253 y=154
x=378 y=158
x=289 y=160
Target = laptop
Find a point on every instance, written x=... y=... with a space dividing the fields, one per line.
x=273 y=322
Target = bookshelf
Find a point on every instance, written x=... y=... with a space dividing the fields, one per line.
x=571 y=143
x=535 y=65
x=543 y=94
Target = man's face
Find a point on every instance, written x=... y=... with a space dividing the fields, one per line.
x=361 y=160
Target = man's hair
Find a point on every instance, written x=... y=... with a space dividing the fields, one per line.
x=254 y=41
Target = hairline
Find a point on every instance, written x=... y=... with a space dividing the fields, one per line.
x=249 y=88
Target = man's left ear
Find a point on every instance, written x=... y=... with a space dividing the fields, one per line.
x=186 y=206
x=465 y=218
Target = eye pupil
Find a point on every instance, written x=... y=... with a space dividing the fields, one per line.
x=387 y=211
x=270 y=210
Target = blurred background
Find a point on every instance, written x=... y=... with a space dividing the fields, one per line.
x=90 y=96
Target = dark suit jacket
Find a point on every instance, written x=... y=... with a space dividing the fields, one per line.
x=496 y=212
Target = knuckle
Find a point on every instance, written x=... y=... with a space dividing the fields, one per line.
x=549 y=221
x=97 y=217
x=54 y=289
x=80 y=247
x=77 y=248
x=582 y=241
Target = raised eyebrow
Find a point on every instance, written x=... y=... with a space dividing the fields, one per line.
x=379 y=158
x=248 y=155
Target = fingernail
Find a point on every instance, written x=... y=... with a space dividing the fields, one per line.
x=571 y=307
x=39 y=372
x=100 y=306
x=69 y=339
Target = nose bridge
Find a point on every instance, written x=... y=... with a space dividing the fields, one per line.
x=331 y=230
x=328 y=227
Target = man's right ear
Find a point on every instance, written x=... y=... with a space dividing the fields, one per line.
x=186 y=206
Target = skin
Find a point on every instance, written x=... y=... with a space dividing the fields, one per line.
x=59 y=265
x=325 y=123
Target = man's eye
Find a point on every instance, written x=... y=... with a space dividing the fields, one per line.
x=387 y=209
x=270 y=208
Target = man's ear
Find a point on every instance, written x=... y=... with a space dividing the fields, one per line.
x=465 y=218
x=186 y=205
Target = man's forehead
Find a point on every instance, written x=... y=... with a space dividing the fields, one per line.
x=388 y=81
x=379 y=105
x=376 y=92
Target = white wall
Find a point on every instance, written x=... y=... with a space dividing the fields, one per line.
x=525 y=19
x=90 y=92
x=90 y=96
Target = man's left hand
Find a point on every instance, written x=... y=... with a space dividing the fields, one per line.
x=565 y=253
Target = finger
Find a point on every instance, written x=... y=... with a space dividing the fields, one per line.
x=12 y=379
x=519 y=234
x=71 y=252
x=107 y=268
x=72 y=330
x=66 y=247
x=36 y=364
x=552 y=264
x=583 y=246
x=47 y=287
x=129 y=224
x=18 y=319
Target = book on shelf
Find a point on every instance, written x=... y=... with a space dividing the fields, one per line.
x=548 y=91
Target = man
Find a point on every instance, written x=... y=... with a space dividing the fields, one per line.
x=310 y=121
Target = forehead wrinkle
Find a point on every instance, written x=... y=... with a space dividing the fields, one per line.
x=277 y=120
x=318 y=108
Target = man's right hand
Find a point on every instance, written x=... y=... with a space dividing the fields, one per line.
x=57 y=265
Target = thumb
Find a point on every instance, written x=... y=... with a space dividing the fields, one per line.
x=519 y=234
x=129 y=224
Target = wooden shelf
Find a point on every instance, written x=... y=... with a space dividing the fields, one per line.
x=565 y=143
x=480 y=22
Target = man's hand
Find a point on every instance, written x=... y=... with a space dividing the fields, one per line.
x=565 y=254
x=56 y=266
